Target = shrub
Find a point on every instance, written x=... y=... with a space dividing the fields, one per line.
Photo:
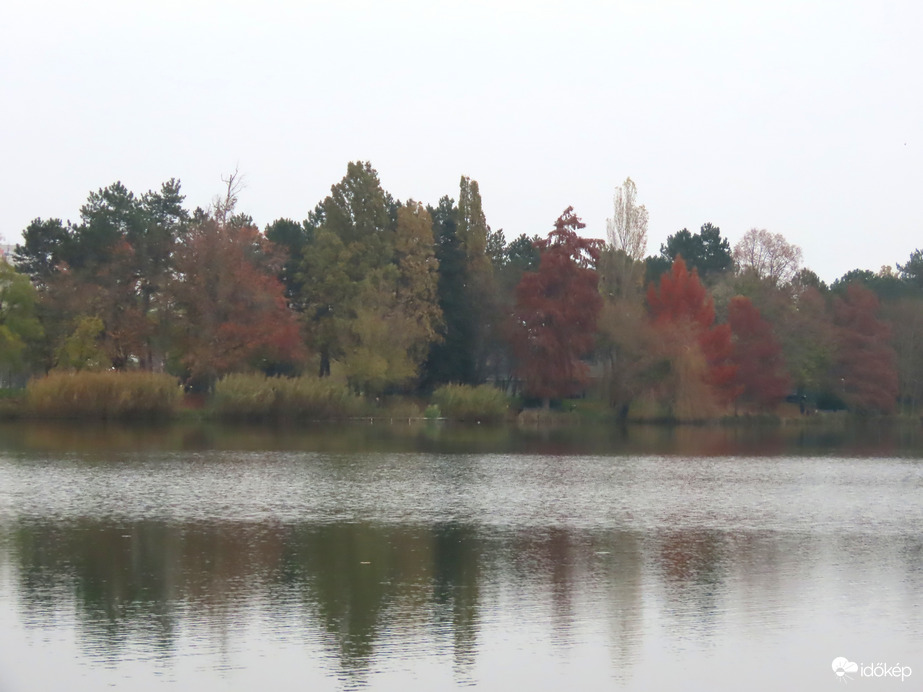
x=464 y=402
x=243 y=396
x=302 y=398
x=103 y=395
x=255 y=396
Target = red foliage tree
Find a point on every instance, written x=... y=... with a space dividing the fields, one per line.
x=230 y=307
x=761 y=373
x=556 y=312
x=681 y=306
x=865 y=360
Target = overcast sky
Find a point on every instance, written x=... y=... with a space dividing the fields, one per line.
x=805 y=118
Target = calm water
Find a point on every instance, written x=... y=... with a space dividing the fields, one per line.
x=420 y=558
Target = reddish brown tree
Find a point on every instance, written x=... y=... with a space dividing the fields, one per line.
x=761 y=373
x=556 y=312
x=230 y=307
x=865 y=360
x=684 y=315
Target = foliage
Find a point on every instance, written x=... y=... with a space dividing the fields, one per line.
x=627 y=229
x=885 y=284
x=383 y=340
x=355 y=238
x=808 y=338
x=556 y=312
x=465 y=402
x=761 y=372
x=113 y=265
x=255 y=396
x=865 y=360
x=20 y=329
x=697 y=350
x=103 y=395
x=82 y=350
x=626 y=344
x=231 y=312
x=481 y=287
x=43 y=249
x=418 y=278
x=912 y=271
x=767 y=255
x=706 y=252
x=625 y=341
x=470 y=295
x=292 y=237
x=906 y=319
x=451 y=358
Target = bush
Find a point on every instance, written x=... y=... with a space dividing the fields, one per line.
x=464 y=402
x=103 y=395
x=257 y=397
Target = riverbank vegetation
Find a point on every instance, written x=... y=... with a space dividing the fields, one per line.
x=103 y=395
x=372 y=300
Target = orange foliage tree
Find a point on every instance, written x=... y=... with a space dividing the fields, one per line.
x=556 y=312
x=698 y=350
x=230 y=308
x=761 y=373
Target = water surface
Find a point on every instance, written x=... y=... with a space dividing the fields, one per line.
x=429 y=559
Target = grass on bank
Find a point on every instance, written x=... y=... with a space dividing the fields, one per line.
x=258 y=397
x=484 y=403
x=103 y=395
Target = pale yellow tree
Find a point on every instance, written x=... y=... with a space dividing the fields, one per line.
x=417 y=288
x=627 y=229
x=767 y=255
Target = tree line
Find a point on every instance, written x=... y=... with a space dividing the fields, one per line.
x=402 y=297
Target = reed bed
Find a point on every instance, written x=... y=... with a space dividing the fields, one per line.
x=104 y=395
x=484 y=403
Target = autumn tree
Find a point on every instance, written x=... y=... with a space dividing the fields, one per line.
x=355 y=237
x=700 y=378
x=761 y=373
x=418 y=277
x=20 y=329
x=231 y=312
x=396 y=315
x=767 y=255
x=624 y=341
x=82 y=349
x=905 y=318
x=509 y=261
x=556 y=312
x=865 y=360
x=627 y=229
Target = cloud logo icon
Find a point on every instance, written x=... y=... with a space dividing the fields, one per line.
x=841 y=666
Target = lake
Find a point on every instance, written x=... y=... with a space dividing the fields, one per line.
x=401 y=556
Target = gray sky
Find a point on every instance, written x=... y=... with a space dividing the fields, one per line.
x=805 y=118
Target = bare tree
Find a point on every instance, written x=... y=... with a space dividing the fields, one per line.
x=222 y=208
x=768 y=255
x=627 y=229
